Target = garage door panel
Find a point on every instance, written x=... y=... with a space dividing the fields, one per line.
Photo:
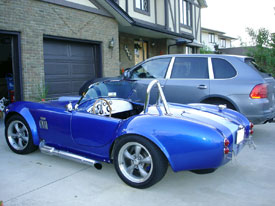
x=81 y=50
x=67 y=66
x=58 y=88
x=55 y=48
x=57 y=69
x=82 y=69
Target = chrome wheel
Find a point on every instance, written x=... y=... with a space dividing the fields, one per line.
x=18 y=135
x=135 y=162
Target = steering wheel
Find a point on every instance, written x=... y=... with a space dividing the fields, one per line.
x=101 y=106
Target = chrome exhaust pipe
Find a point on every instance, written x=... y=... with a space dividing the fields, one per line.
x=45 y=149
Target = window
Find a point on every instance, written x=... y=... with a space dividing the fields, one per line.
x=223 y=43
x=190 y=68
x=211 y=37
x=222 y=69
x=186 y=13
x=152 y=69
x=142 y=6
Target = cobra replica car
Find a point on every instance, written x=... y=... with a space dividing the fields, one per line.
x=110 y=124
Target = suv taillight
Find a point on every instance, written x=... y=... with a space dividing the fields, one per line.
x=259 y=92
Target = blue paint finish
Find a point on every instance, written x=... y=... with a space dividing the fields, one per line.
x=22 y=109
x=190 y=141
x=94 y=130
x=186 y=144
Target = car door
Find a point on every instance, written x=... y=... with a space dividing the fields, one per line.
x=145 y=72
x=188 y=82
x=53 y=124
x=91 y=129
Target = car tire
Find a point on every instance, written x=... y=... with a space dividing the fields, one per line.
x=19 y=136
x=138 y=162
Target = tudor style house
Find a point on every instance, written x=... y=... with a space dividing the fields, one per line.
x=63 y=43
x=212 y=38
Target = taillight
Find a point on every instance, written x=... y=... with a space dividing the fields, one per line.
x=251 y=125
x=259 y=92
x=226 y=150
x=226 y=142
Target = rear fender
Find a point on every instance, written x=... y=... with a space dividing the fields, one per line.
x=175 y=140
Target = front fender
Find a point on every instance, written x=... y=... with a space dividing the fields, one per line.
x=187 y=145
x=22 y=109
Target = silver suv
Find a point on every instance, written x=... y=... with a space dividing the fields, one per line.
x=214 y=79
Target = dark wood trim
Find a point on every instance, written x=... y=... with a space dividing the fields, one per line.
x=16 y=63
x=172 y=17
x=166 y=14
x=156 y=13
x=79 y=6
x=195 y=22
x=175 y=16
x=126 y=6
x=179 y=24
x=198 y=20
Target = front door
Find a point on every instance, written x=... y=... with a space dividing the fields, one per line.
x=91 y=129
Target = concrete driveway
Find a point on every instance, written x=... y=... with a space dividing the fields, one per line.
x=41 y=180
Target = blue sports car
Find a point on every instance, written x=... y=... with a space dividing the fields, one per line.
x=110 y=124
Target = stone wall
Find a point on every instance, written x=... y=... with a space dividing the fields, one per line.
x=34 y=18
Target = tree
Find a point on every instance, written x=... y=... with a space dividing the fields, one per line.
x=205 y=50
x=263 y=50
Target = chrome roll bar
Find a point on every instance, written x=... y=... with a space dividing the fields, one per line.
x=160 y=97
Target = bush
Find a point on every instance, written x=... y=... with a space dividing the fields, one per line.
x=264 y=49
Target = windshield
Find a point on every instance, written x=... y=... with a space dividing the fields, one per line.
x=109 y=89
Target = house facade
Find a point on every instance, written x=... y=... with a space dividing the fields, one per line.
x=63 y=43
x=211 y=37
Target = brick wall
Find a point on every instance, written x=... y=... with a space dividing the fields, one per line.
x=34 y=18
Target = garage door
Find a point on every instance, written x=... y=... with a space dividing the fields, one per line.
x=68 y=65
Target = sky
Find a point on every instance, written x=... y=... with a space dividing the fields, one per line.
x=234 y=16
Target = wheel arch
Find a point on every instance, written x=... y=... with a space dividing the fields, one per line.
x=26 y=115
x=152 y=140
x=213 y=98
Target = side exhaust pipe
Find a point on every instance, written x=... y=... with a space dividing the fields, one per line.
x=67 y=155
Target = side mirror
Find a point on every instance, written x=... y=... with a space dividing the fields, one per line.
x=69 y=107
x=127 y=74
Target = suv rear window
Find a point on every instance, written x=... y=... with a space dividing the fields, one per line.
x=252 y=63
x=222 y=69
x=190 y=68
